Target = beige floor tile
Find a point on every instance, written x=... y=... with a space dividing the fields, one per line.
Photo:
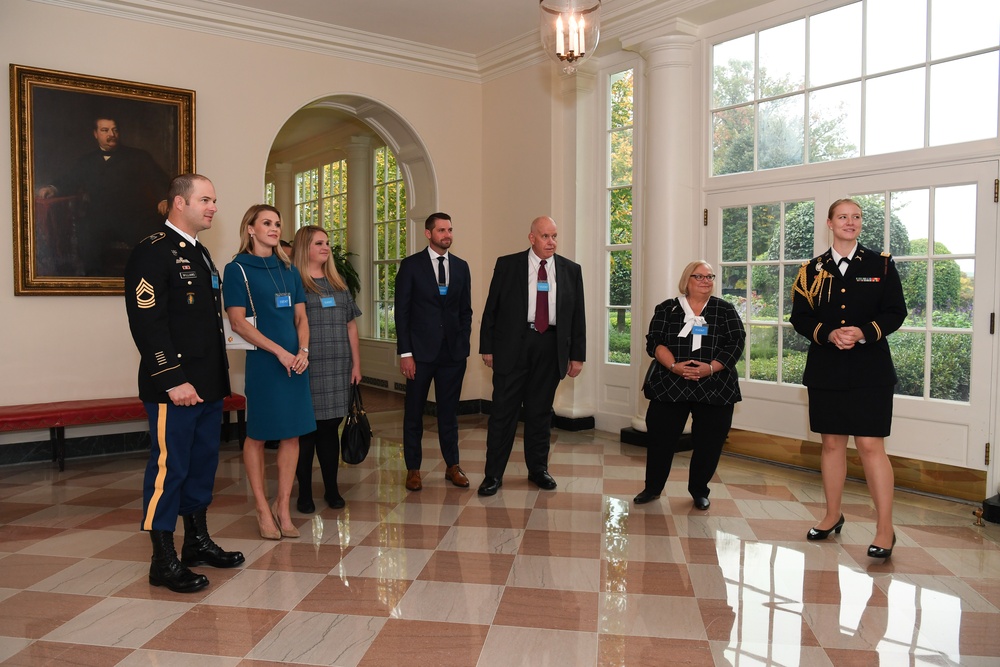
x=578 y=577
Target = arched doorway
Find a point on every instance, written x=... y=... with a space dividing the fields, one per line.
x=346 y=133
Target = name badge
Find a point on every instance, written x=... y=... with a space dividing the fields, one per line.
x=215 y=281
x=188 y=275
x=543 y=286
x=328 y=302
x=443 y=290
x=699 y=331
x=283 y=300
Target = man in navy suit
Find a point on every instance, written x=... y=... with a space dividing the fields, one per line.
x=433 y=313
x=533 y=335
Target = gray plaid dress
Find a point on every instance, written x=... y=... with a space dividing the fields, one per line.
x=330 y=350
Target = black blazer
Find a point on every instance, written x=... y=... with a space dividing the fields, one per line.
x=424 y=319
x=175 y=315
x=505 y=318
x=869 y=296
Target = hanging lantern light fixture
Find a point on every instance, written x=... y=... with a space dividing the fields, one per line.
x=570 y=30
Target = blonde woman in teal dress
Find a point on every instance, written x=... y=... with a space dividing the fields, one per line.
x=279 y=406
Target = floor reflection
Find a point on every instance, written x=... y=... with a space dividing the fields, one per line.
x=579 y=577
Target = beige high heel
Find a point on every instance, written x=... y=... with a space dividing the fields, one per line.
x=266 y=532
x=285 y=532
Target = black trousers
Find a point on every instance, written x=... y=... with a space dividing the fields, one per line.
x=664 y=426
x=325 y=443
x=532 y=384
x=447 y=376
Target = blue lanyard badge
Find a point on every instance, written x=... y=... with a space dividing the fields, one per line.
x=543 y=286
x=328 y=302
x=215 y=280
x=443 y=290
x=283 y=300
x=700 y=331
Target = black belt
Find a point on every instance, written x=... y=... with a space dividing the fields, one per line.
x=531 y=325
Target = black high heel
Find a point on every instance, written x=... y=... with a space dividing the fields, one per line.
x=881 y=552
x=817 y=534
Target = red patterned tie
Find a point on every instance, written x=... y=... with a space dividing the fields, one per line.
x=542 y=301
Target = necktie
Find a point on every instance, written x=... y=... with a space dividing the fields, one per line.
x=441 y=278
x=542 y=301
x=844 y=260
x=844 y=264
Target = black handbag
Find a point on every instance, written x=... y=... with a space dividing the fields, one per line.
x=356 y=438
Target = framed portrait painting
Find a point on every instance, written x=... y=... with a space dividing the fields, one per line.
x=92 y=161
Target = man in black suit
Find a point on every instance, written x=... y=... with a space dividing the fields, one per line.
x=121 y=194
x=433 y=313
x=533 y=335
x=173 y=301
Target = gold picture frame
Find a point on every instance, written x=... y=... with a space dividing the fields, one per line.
x=77 y=210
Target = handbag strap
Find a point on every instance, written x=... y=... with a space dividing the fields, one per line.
x=356 y=399
x=247 y=283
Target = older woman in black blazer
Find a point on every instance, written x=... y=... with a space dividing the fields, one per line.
x=846 y=301
x=697 y=340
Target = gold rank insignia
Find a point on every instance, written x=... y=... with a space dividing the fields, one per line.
x=145 y=296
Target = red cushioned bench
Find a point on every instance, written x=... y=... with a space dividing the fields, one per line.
x=60 y=414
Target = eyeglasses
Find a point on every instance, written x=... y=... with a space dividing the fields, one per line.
x=703 y=278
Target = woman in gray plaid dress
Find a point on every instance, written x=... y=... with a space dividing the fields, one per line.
x=334 y=362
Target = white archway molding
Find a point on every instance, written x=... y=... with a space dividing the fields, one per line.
x=411 y=152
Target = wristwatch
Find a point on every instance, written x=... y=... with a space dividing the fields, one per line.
x=305 y=349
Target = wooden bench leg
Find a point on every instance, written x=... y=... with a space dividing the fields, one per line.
x=241 y=426
x=57 y=434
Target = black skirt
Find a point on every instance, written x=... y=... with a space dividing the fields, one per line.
x=864 y=412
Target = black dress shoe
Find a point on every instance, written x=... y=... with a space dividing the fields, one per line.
x=702 y=503
x=881 y=552
x=336 y=502
x=305 y=505
x=542 y=479
x=490 y=486
x=645 y=497
x=817 y=534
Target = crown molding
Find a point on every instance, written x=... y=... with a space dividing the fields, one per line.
x=264 y=27
x=620 y=20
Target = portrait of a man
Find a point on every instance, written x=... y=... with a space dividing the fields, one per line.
x=106 y=198
x=94 y=159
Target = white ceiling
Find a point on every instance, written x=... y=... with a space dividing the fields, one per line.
x=465 y=26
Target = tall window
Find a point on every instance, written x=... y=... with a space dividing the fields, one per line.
x=269 y=193
x=931 y=233
x=618 y=240
x=389 y=238
x=871 y=77
x=321 y=199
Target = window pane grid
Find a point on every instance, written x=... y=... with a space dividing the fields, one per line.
x=389 y=231
x=618 y=202
x=763 y=247
x=761 y=120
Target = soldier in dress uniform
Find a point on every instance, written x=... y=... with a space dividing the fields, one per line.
x=846 y=301
x=173 y=300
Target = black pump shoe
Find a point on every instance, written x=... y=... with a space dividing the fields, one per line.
x=817 y=534
x=881 y=552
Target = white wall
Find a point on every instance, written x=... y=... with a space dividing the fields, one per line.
x=79 y=347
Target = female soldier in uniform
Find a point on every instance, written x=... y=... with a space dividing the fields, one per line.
x=846 y=301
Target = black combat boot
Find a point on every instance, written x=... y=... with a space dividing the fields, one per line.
x=166 y=570
x=199 y=549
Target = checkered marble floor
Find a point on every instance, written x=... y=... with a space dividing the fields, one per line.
x=575 y=577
